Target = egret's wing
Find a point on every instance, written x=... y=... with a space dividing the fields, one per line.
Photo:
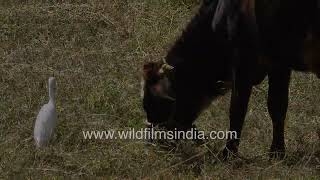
x=45 y=124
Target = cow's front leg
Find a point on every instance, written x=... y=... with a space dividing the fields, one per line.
x=238 y=108
x=279 y=80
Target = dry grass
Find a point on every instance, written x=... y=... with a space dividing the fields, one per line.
x=95 y=50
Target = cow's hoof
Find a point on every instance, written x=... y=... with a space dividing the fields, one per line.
x=277 y=153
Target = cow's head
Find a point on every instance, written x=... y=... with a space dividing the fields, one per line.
x=157 y=92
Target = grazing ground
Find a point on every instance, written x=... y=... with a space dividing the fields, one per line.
x=96 y=49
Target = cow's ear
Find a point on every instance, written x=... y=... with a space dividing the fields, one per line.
x=152 y=80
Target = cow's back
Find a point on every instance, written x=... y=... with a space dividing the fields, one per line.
x=283 y=27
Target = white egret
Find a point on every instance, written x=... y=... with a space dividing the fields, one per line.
x=47 y=118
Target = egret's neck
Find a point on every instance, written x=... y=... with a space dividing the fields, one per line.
x=52 y=97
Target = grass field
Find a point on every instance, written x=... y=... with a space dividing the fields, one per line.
x=96 y=50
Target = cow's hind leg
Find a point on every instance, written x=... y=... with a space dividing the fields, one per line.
x=279 y=79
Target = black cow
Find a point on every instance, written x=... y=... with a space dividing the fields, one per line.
x=241 y=44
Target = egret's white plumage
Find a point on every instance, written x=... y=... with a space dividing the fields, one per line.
x=47 y=118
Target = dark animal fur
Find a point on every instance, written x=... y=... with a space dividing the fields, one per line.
x=202 y=57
